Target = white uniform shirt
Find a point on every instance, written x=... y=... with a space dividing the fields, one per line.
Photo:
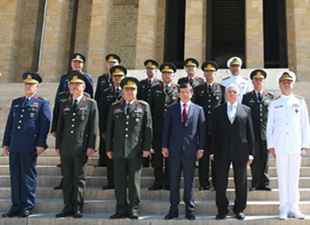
x=288 y=125
x=244 y=85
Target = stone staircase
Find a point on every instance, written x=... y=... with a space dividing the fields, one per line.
x=262 y=206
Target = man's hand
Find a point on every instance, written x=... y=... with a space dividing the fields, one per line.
x=212 y=157
x=40 y=150
x=250 y=161
x=54 y=134
x=90 y=151
x=103 y=135
x=110 y=155
x=165 y=152
x=199 y=154
x=6 y=149
x=57 y=152
x=145 y=154
x=272 y=152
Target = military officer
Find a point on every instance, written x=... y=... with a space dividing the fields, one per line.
x=191 y=66
x=77 y=62
x=234 y=64
x=109 y=96
x=76 y=133
x=24 y=139
x=144 y=91
x=288 y=141
x=208 y=95
x=258 y=100
x=162 y=96
x=128 y=139
x=105 y=81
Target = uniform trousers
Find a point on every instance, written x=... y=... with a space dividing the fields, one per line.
x=23 y=175
x=127 y=168
x=102 y=154
x=288 y=166
x=73 y=169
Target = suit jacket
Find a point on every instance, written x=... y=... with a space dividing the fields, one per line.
x=234 y=141
x=77 y=129
x=129 y=135
x=27 y=125
x=189 y=137
x=259 y=112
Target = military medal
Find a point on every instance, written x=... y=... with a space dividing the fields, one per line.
x=296 y=110
x=217 y=98
x=137 y=120
x=173 y=98
x=83 y=116
x=31 y=114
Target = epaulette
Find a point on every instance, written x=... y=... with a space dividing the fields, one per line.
x=143 y=102
x=245 y=78
x=249 y=92
x=106 y=89
x=299 y=97
x=66 y=100
x=276 y=98
x=63 y=92
x=226 y=78
x=221 y=85
x=45 y=99
x=116 y=102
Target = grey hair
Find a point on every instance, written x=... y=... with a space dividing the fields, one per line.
x=232 y=85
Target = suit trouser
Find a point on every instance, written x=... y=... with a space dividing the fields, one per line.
x=240 y=179
x=73 y=170
x=260 y=164
x=160 y=176
x=127 y=168
x=288 y=166
x=188 y=165
x=23 y=175
x=204 y=165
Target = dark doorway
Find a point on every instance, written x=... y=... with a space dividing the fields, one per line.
x=275 y=38
x=174 y=32
x=225 y=30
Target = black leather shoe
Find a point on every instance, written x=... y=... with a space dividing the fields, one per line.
x=10 y=214
x=63 y=214
x=205 y=188
x=118 y=216
x=100 y=165
x=190 y=216
x=78 y=214
x=156 y=187
x=266 y=188
x=25 y=213
x=58 y=165
x=134 y=216
x=173 y=213
x=108 y=187
x=59 y=187
x=240 y=216
x=220 y=216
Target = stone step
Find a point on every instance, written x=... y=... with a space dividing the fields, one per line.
x=96 y=193
x=99 y=181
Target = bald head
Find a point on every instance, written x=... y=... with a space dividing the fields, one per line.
x=232 y=93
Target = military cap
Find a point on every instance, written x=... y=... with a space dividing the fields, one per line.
x=118 y=70
x=77 y=77
x=151 y=64
x=191 y=62
x=113 y=58
x=234 y=61
x=31 y=77
x=78 y=57
x=130 y=82
x=168 y=67
x=258 y=74
x=286 y=75
x=209 y=65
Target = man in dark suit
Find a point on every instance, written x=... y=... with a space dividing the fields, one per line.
x=258 y=100
x=183 y=141
x=24 y=139
x=76 y=135
x=128 y=140
x=232 y=142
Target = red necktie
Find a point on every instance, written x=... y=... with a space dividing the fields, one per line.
x=184 y=114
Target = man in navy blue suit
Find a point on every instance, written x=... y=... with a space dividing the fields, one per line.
x=24 y=139
x=183 y=140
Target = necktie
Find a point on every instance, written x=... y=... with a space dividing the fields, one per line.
x=259 y=96
x=26 y=101
x=209 y=88
x=184 y=114
x=167 y=89
x=75 y=103
x=149 y=83
x=232 y=113
x=128 y=108
x=191 y=81
x=116 y=92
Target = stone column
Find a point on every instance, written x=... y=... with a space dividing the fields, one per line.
x=194 y=29
x=54 y=62
x=99 y=38
x=254 y=35
x=11 y=25
x=146 y=32
x=160 y=30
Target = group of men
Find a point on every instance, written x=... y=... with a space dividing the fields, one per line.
x=229 y=123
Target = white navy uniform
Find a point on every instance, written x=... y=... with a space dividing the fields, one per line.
x=288 y=133
x=242 y=83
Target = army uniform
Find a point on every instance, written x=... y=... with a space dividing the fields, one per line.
x=194 y=81
x=259 y=110
x=76 y=131
x=208 y=99
x=27 y=127
x=128 y=134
